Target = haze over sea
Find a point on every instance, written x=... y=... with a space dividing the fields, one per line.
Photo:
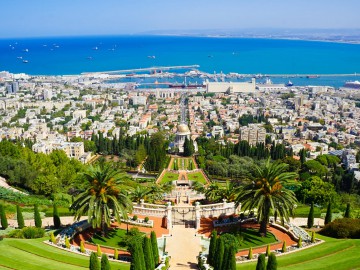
x=74 y=55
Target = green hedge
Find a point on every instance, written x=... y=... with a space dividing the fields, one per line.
x=27 y=233
x=343 y=228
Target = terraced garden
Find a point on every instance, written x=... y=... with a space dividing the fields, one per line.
x=197 y=176
x=34 y=254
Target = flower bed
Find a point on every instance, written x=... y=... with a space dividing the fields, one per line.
x=139 y=222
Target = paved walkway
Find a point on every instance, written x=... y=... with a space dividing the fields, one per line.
x=183 y=247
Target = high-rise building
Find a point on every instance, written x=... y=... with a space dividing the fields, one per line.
x=15 y=87
x=47 y=94
x=253 y=134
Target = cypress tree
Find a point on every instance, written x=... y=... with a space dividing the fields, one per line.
x=98 y=251
x=261 y=263
x=116 y=254
x=283 y=249
x=310 y=221
x=267 y=251
x=272 y=263
x=105 y=265
x=347 y=211
x=148 y=256
x=56 y=217
x=232 y=259
x=212 y=248
x=250 y=255
x=19 y=217
x=4 y=222
x=37 y=217
x=226 y=258
x=219 y=253
x=94 y=262
x=328 y=216
x=154 y=247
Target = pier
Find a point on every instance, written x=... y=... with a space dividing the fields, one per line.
x=143 y=69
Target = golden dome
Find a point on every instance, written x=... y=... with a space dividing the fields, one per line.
x=182 y=128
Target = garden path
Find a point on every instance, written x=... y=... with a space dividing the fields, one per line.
x=183 y=247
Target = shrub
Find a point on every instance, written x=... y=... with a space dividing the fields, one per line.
x=283 y=249
x=343 y=228
x=272 y=263
x=250 y=255
x=312 y=237
x=56 y=217
x=267 y=253
x=27 y=233
x=116 y=254
x=37 y=217
x=98 y=251
x=146 y=219
x=67 y=242
x=261 y=263
x=105 y=265
x=4 y=222
x=52 y=238
x=82 y=247
x=230 y=240
x=299 y=243
x=94 y=262
x=135 y=218
x=19 y=217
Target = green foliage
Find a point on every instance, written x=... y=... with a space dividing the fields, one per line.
x=268 y=251
x=19 y=217
x=37 y=217
x=135 y=218
x=52 y=238
x=188 y=147
x=343 y=228
x=250 y=255
x=148 y=254
x=138 y=261
x=98 y=251
x=105 y=265
x=56 y=217
x=116 y=254
x=299 y=243
x=212 y=248
x=94 y=262
x=154 y=247
x=315 y=190
x=261 y=262
x=310 y=221
x=82 y=247
x=284 y=249
x=328 y=216
x=272 y=263
x=27 y=233
x=67 y=242
x=4 y=222
x=347 y=211
x=156 y=153
x=220 y=249
x=312 y=237
x=146 y=219
x=230 y=240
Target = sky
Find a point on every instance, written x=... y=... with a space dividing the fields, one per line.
x=32 y=18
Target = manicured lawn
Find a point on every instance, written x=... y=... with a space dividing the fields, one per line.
x=34 y=254
x=333 y=254
x=115 y=238
x=197 y=176
x=169 y=176
x=251 y=238
x=303 y=210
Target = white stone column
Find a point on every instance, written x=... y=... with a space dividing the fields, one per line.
x=197 y=215
x=168 y=215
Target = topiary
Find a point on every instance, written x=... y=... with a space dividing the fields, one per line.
x=116 y=254
x=105 y=265
x=268 y=250
x=94 y=262
x=299 y=243
x=250 y=255
x=19 y=217
x=67 y=242
x=261 y=263
x=312 y=237
x=283 y=249
x=37 y=217
x=52 y=238
x=82 y=247
x=146 y=219
x=272 y=263
x=135 y=218
x=98 y=251
x=4 y=222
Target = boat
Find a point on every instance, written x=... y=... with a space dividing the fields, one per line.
x=289 y=83
x=89 y=57
x=19 y=57
x=26 y=50
x=312 y=76
x=151 y=56
x=177 y=85
x=353 y=85
x=95 y=48
x=25 y=61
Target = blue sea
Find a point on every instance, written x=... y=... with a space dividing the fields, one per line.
x=74 y=55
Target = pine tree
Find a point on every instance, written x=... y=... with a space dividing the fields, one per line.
x=154 y=247
x=116 y=254
x=250 y=255
x=261 y=263
x=328 y=216
x=98 y=251
x=94 y=262
x=283 y=249
x=272 y=263
x=347 y=211
x=267 y=251
x=212 y=248
x=310 y=221
x=19 y=217
x=299 y=244
x=148 y=256
x=312 y=237
x=37 y=217
x=4 y=222
x=105 y=265
x=219 y=253
x=56 y=217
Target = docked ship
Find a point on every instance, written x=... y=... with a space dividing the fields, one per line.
x=353 y=85
x=289 y=83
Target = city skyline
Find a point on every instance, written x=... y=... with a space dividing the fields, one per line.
x=77 y=18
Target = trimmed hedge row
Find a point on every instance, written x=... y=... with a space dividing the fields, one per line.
x=343 y=228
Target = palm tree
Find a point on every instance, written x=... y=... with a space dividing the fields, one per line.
x=140 y=193
x=229 y=191
x=104 y=196
x=268 y=194
x=212 y=193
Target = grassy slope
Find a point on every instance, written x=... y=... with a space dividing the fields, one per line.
x=333 y=254
x=197 y=176
x=169 y=176
x=252 y=239
x=33 y=254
